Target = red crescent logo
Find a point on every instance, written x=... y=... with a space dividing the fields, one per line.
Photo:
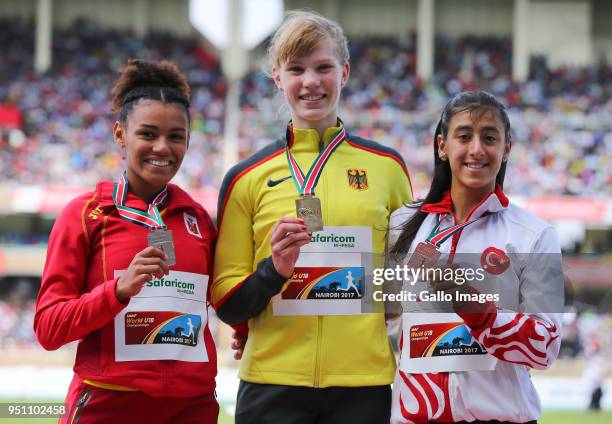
x=494 y=261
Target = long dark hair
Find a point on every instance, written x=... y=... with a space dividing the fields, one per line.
x=467 y=101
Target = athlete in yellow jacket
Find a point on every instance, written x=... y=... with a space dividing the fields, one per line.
x=312 y=336
x=315 y=351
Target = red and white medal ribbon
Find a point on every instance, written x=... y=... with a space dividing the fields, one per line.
x=437 y=237
x=150 y=219
x=306 y=184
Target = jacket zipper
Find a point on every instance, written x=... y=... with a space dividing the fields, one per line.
x=166 y=375
x=455 y=238
x=454 y=243
x=317 y=374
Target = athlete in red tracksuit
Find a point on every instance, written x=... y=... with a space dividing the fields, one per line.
x=145 y=352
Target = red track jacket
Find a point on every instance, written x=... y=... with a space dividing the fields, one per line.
x=77 y=301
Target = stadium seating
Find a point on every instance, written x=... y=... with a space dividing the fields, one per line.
x=560 y=117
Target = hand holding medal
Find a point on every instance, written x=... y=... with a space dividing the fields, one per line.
x=155 y=260
x=289 y=234
x=147 y=264
x=427 y=253
x=151 y=219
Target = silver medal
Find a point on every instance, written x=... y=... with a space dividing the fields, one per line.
x=162 y=239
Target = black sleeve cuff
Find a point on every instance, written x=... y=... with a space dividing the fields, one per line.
x=253 y=295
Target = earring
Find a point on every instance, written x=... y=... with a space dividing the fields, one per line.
x=443 y=158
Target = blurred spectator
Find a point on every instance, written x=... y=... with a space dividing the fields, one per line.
x=597 y=340
x=570 y=343
x=17 y=317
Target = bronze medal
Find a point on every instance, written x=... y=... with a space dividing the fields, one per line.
x=163 y=240
x=426 y=255
x=309 y=209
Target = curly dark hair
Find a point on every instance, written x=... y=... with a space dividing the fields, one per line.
x=142 y=79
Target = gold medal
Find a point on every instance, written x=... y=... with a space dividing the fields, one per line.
x=309 y=209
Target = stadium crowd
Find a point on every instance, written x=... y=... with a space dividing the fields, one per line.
x=67 y=121
x=561 y=117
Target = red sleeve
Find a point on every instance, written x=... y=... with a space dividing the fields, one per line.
x=63 y=313
x=243 y=328
x=532 y=340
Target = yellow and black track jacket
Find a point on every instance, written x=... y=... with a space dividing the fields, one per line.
x=313 y=351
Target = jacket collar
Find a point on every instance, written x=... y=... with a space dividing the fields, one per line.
x=307 y=139
x=177 y=197
x=493 y=202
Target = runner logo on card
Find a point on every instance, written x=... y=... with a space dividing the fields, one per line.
x=325 y=283
x=162 y=327
x=443 y=339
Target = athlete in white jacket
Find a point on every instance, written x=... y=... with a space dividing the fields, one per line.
x=472 y=363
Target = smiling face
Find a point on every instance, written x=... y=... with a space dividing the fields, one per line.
x=311 y=85
x=475 y=147
x=155 y=140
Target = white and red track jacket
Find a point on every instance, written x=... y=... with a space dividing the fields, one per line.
x=519 y=341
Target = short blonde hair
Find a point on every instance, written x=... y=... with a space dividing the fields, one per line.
x=300 y=33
